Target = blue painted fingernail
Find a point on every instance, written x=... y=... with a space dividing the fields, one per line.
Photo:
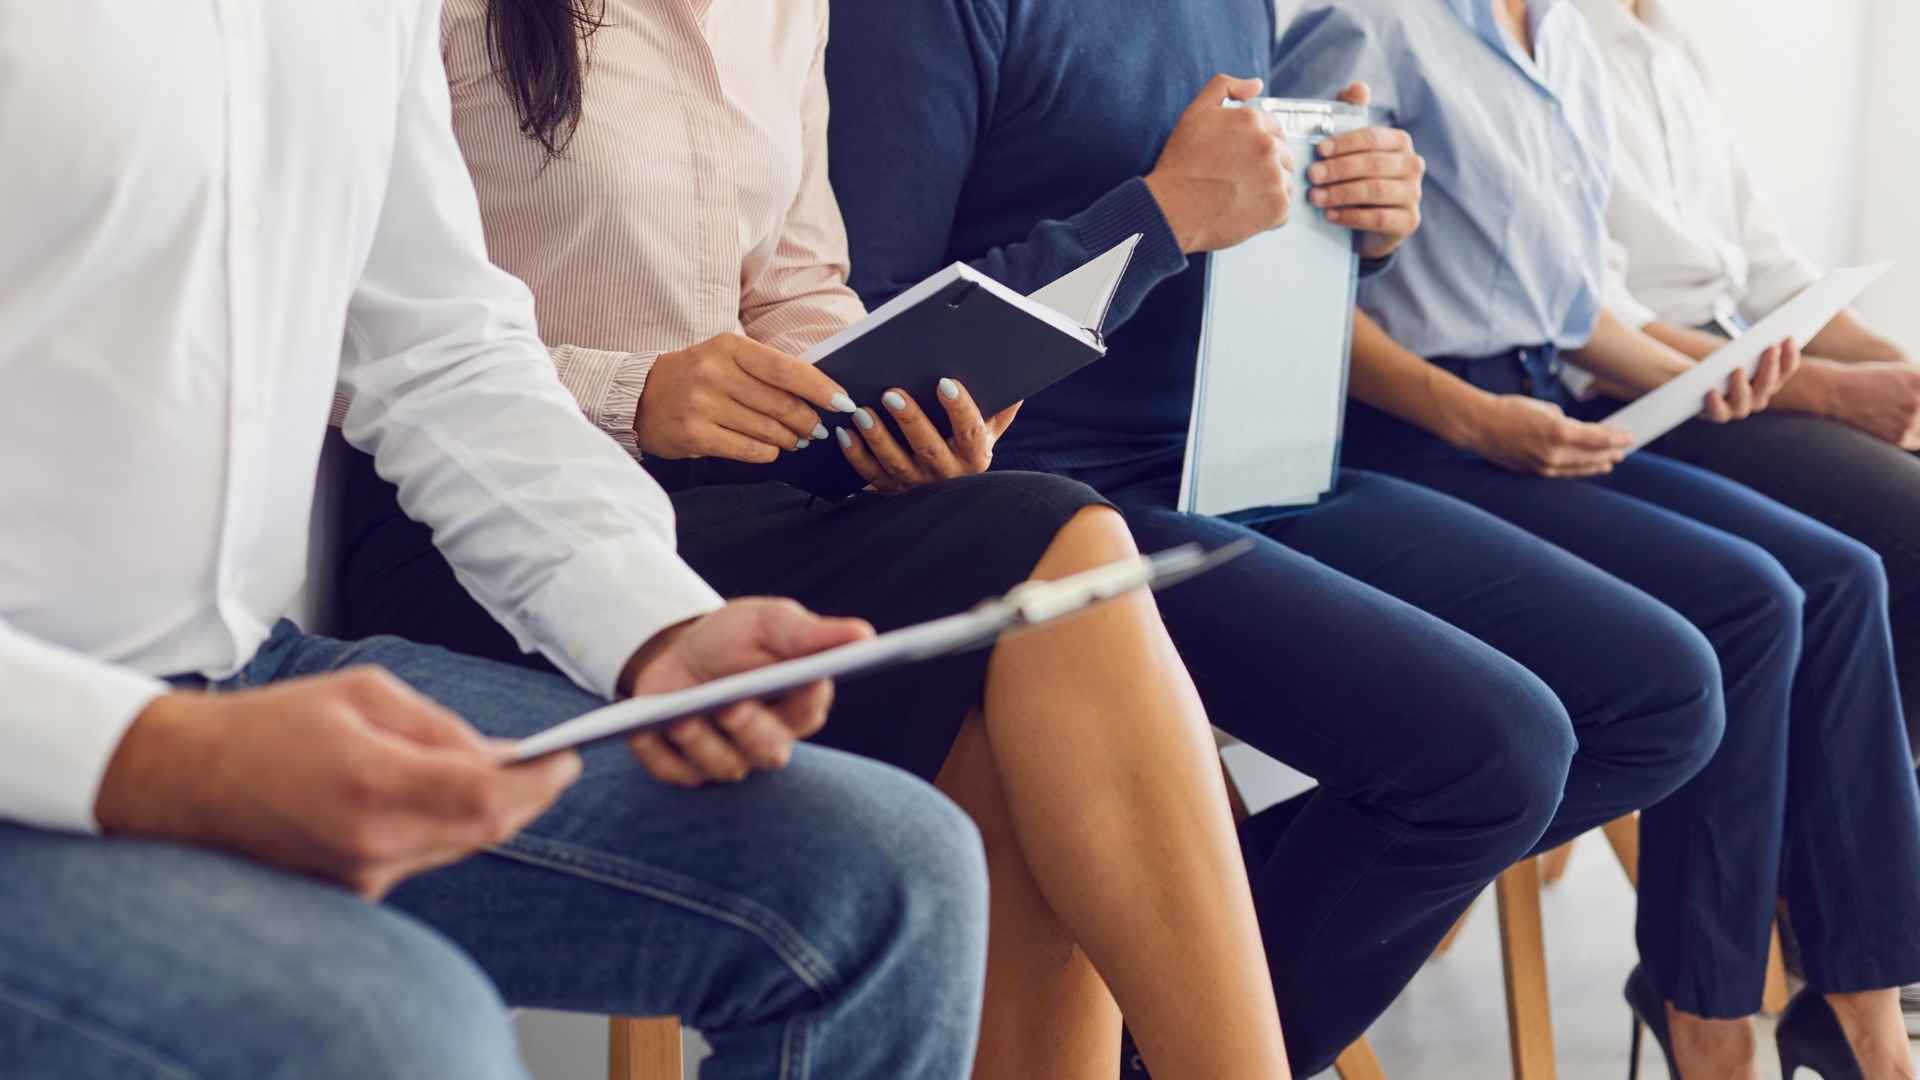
x=842 y=403
x=949 y=389
x=846 y=439
x=893 y=401
x=864 y=419
x=819 y=431
x=801 y=444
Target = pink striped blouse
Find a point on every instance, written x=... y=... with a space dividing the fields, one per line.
x=692 y=201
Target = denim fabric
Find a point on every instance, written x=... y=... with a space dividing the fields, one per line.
x=1811 y=796
x=825 y=921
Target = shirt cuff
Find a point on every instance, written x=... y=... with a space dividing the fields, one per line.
x=60 y=731
x=608 y=386
x=607 y=601
x=1124 y=211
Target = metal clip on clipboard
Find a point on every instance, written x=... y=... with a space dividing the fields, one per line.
x=1027 y=606
x=1310 y=120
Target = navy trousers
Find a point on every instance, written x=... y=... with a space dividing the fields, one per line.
x=1464 y=694
x=1811 y=796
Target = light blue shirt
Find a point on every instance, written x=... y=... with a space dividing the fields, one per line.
x=1519 y=150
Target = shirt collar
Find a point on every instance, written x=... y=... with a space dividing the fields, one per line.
x=1479 y=15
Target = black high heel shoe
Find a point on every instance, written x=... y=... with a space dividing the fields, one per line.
x=1649 y=1012
x=1810 y=1037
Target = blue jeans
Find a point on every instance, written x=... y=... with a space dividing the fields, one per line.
x=828 y=920
x=1811 y=796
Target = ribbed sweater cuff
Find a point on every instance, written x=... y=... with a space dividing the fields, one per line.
x=1128 y=209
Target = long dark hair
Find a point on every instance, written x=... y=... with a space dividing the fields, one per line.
x=539 y=49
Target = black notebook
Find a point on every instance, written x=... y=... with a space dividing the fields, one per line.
x=962 y=324
x=958 y=324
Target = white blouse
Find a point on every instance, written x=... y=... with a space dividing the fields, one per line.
x=1693 y=239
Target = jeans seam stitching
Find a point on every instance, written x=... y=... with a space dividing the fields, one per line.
x=794 y=950
x=793 y=1064
x=94 y=1032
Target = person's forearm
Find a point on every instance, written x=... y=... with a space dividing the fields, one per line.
x=139 y=794
x=1848 y=340
x=1629 y=360
x=1389 y=377
x=1810 y=391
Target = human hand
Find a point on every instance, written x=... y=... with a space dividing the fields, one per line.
x=732 y=397
x=351 y=777
x=878 y=457
x=1881 y=399
x=733 y=743
x=1370 y=181
x=1743 y=396
x=1527 y=435
x=1225 y=175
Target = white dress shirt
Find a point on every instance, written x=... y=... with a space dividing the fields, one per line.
x=212 y=213
x=1692 y=238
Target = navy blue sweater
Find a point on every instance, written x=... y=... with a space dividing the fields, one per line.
x=1013 y=135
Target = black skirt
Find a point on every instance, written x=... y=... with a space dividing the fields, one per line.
x=892 y=560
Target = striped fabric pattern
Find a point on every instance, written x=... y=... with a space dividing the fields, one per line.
x=692 y=201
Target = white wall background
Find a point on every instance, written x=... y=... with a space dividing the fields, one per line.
x=1889 y=223
x=1788 y=75
x=1825 y=96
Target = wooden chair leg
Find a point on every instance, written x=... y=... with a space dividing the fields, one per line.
x=1358 y=1063
x=1523 y=950
x=644 y=1048
x=1624 y=836
x=1553 y=865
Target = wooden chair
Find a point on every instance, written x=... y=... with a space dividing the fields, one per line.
x=1623 y=835
x=1524 y=952
x=644 y=1048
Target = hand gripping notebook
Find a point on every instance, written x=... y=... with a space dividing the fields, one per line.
x=962 y=324
x=958 y=324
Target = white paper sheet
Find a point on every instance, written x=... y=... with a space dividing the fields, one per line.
x=1084 y=295
x=1802 y=319
x=1085 y=292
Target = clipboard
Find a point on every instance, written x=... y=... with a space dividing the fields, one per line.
x=1034 y=603
x=1270 y=374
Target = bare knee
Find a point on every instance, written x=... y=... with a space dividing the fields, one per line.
x=1094 y=536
